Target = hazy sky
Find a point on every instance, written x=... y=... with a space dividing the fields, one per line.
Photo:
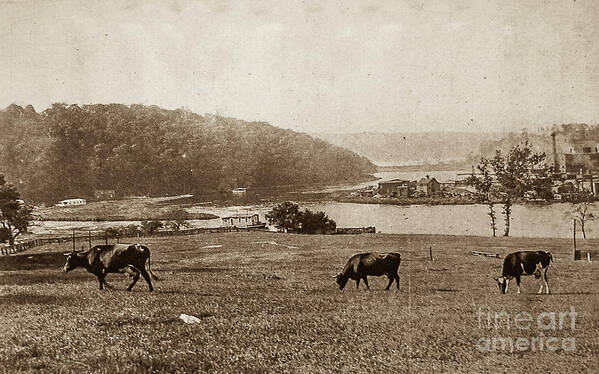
x=313 y=65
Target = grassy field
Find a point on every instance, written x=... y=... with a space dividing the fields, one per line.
x=276 y=308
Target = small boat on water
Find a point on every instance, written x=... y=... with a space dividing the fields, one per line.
x=239 y=190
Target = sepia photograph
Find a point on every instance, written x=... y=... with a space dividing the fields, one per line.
x=376 y=186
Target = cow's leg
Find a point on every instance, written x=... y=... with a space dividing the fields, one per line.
x=397 y=280
x=135 y=277
x=391 y=279
x=146 y=276
x=366 y=282
x=517 y=283
x=102 y=278
x=358 y=283
x=543 y=282
x=544 y=275
x=101 y=281
x=507 y=283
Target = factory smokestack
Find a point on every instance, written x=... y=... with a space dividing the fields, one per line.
x=555 y=157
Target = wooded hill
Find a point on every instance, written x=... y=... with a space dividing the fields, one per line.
x=71 y=151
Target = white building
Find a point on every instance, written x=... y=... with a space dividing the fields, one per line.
x=71 y=202
x=242 y=220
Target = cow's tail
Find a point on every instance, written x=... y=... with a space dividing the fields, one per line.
x=154 y=276
x=550 y=256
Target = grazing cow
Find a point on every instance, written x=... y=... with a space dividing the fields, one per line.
x=364 y=264
x=524 y=263
x=113 y=258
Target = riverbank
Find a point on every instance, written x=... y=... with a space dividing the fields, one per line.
x=140 y=209
x=269 y=303
x=454 y=200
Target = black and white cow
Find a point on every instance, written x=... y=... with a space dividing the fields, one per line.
x=524 y=263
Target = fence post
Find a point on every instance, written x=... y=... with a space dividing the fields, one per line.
x=106 y=237
x=574 y=253
x=89 y=237
x=430 y=252
x=73 y=240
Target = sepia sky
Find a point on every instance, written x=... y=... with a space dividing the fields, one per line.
x=313 y=66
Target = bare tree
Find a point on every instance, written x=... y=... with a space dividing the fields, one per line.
x=583 y=214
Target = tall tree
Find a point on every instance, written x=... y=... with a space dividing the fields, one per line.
x=484 y=187
x=515 y=174
x=14 y=214
x=284 y=216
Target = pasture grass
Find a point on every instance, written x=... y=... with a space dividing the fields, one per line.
x=273 y=308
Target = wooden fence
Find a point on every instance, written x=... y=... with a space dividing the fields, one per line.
x=90 y=236
x=356 y=230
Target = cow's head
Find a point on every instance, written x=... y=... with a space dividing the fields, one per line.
x=341 y=280
x=501 y=283
x=74 y=260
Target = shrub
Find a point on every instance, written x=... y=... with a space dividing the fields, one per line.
x=316 y=223
x=284 y=216
x=149 y=227
x=177 y=218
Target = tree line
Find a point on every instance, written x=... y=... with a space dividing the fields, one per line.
x=71 y=151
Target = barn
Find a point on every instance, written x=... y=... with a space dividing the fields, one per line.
x=428 y=186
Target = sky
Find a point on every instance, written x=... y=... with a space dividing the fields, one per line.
x=313 y=66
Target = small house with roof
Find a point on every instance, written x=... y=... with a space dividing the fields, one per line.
x=242 y=220
x=428 y=186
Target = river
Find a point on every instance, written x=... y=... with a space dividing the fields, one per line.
x=528 y=220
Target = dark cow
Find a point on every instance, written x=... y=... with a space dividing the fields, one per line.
x=364 y=264
x=524 y=263
x=113 y=258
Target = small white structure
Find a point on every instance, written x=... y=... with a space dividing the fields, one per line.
x=71 y=202
x=243 y=220
x=240 y=190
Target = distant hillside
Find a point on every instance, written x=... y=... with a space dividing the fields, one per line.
x=568 y=137
x=448 y=150
x=71 y=151
x=411 y=148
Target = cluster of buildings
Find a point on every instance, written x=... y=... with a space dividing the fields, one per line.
x=575 y=173
x=578 y=169
x=426 y=186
